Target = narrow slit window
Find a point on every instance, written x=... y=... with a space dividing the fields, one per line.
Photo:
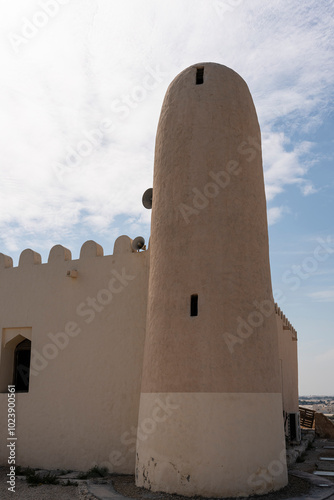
x=199 y=76
x=194 y=305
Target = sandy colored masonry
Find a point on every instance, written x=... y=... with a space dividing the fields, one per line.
x=87 y=338
x=177 y=352
x=209 y=243
x=86 y=397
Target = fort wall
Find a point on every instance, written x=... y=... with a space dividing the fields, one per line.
x=86 y=322
x=287 y=345
x=219 y=367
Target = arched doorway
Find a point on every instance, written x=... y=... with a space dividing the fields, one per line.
x=22 y=366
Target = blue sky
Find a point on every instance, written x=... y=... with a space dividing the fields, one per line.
x=80 y=100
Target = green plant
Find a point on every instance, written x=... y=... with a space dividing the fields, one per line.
x=34 y=479
x=23 y=471
x=94 y=472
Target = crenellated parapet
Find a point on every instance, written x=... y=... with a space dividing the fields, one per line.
x=286 y=323
x=91 y=249
x=5 y=261
x=58 y=253
x=29 y=258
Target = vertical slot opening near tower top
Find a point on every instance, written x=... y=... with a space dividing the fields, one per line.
x=199 y=76
x=194 y=305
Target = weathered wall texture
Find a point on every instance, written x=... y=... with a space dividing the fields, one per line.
x=209 y=238
x=87 y=338
x=87 y=355
x=288 y=355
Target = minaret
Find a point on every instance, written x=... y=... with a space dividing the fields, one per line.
x=210 y=418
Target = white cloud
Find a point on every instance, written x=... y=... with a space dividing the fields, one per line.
x=308 y=189
x=282 y=166
x=94 y=58
x=323 y=295
x=275 y=214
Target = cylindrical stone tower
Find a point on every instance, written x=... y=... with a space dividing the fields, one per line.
x=210 y=419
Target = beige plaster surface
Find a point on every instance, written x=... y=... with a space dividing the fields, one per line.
x=211 y=444
x=86 y=356
x=209 y=237
x=220 y=253
x=287 y=343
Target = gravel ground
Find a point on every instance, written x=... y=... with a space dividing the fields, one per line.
x=126 y=486
x=44 y=492
x=297 y=487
